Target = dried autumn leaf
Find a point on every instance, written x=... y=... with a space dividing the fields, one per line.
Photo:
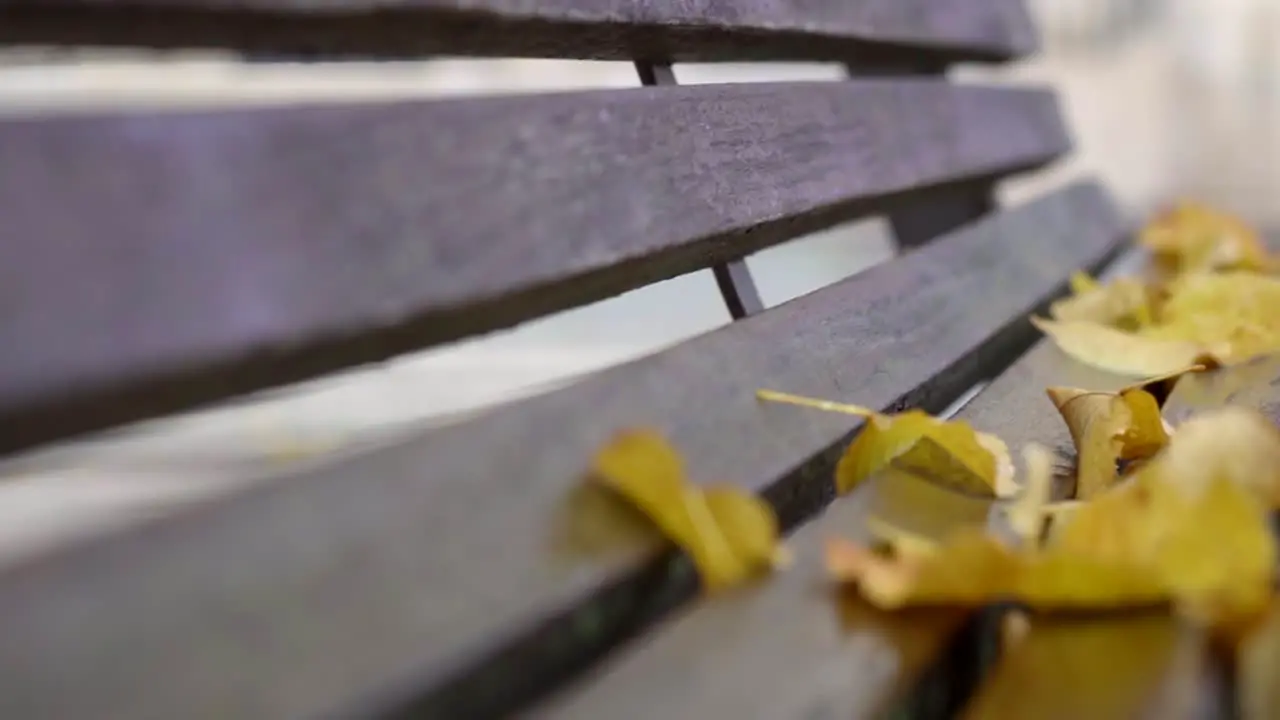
x=1082 y=282
x=1203 y=544
x=730 y=535
x=973 y=569
x=1122 y=303
x=1193 y=237
x=1106 y=427
x=951 y=453
x=1026 y=514
x=1230 y=315
x=1148 y=543
x=900 y=540
x=1234 y=443
x=1219 y=564
x=1122 y=352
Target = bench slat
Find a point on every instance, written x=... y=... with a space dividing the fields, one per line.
x=866 y=32
x=217 y=253
x=432 y=561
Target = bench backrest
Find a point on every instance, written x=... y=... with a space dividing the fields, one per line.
x=157 y=262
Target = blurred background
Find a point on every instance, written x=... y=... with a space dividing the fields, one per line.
x=1166 y=98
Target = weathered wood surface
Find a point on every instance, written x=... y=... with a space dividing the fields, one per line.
x=433 y=562
x=155 y=263
x=866 y=32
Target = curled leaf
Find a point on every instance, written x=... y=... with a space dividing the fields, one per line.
x=1192 y=237
x=729 y=534
x=1082 y=282
x=1122 y=352
x=1026 y=514
x=1233 y=443
x=973 y=569
x=1106 y=427
x=900 y=540
x=1122 y=303
x=951 y=453
x=1147 y=544
x=1230 y=315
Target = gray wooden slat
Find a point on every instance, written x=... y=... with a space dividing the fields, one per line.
x=866 y=32
x=154 y=263
x=424 y=577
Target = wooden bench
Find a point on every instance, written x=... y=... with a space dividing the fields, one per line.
x=160 y=262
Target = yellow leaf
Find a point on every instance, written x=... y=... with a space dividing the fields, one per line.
x=973 y=569
x=1232 y=443
x=900 y=540
x=1026 y=513
x=729 y=534
x=1231 y=315
x=749 y=526
x=1219 y=564
x=1147 y=541
x=1122 y=303
x=1106 y=427
x=951 y=453
x=1192 y=237
x=1082 y=282
x=1121 y=352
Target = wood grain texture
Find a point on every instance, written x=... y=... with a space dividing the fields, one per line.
x=425 y=578
x=863 y=32
x=155 y=263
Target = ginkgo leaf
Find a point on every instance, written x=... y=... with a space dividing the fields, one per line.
x=749 y=526
x=1106 y=427
x=973 y=569
x=1193 y=237
x=1235 y=443
x=1161 y=387
x=1123 y=303
x=729 y=534
x=900 y=540
x=1026 y=514
x=1230 y=315
x=951 y=453
x=1144 y=543
x=1082 y=282
x=1220 y=562
x=1122 y=352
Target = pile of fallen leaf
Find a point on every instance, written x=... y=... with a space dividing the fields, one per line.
x=1162 y=515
